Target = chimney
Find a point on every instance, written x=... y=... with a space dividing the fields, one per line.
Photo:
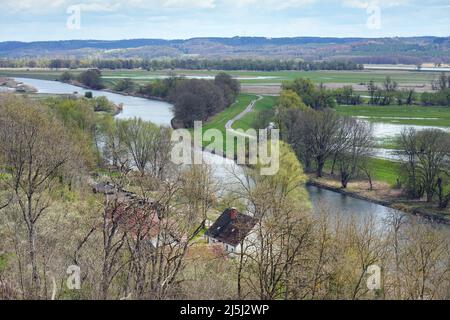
x=233 y=213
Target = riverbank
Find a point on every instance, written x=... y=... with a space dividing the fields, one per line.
x=16 y=86
x=383 y=195
x=33 y=93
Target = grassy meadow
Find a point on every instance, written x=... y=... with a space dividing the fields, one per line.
x=245 y=77
x=247 y=122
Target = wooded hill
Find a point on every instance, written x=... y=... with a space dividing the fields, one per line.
x=361 y=50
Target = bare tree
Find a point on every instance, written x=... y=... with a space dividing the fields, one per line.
x=35 y=151
x=314 y=135
x=199 y=189
x=427 y=155
x=148 y=145
x=357 y=148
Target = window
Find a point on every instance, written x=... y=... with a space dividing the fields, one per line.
x=229 y=248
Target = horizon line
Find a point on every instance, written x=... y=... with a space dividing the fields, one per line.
x=231 y=37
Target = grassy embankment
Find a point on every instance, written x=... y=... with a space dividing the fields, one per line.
x=248 y=121
x=218 y=121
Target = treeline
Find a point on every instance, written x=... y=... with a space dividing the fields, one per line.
x=188 y=64
x=389 y=93
x=193 y=99
x=385 y=94
x=91 y=78
x=442 y=95
x=198 y=100
x=316 y=97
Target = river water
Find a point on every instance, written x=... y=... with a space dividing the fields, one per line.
x=224 y=169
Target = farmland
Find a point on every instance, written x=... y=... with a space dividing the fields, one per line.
x=246 y=77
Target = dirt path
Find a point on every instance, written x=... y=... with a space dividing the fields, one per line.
x=229 y=124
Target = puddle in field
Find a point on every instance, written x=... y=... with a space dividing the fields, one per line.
x=389 y=130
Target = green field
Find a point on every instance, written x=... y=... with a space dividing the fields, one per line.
x=385 y=170
x=382 y=170
x=247 y=122
x=246 y=77
x=408 y=115
x=219 y=121
x=354 y=77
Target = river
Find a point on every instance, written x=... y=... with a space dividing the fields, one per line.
x=161 y=113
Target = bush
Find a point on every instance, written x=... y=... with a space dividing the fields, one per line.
x=102 y=104
x=125 y=85
x=91 y=78
x=66 y=77
x=441 y=98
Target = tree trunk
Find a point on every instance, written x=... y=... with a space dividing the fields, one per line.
x=334 y=163
x=444 y=200
x=320 y=165
x=33 y=260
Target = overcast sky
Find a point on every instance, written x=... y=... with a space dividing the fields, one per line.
x=32 y=20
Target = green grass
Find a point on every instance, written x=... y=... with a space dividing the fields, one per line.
x=382 y=170
x=34 y=74
x=385 y=170
x=425 y=116
x=200 y=235
x=247 y=122
x=219 y=121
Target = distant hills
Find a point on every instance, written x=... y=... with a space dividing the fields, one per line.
x=362 y=50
